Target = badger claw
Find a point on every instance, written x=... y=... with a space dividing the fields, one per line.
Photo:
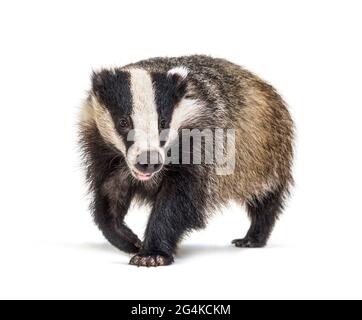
x=156 y=260
x=248 y=243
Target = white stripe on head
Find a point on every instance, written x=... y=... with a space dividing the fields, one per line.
x=144 y=114
x=185 y=111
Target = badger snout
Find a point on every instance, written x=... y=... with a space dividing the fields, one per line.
x=148 y=163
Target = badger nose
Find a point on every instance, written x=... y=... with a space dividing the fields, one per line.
x=149 y=162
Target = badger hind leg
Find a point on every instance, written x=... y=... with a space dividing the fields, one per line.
x=263 y=212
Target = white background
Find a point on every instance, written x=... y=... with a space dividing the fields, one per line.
x=309 y=50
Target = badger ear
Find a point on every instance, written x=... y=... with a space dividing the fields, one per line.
x=99 y=80
x=179 y=77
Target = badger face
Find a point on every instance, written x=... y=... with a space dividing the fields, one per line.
x=140 y=112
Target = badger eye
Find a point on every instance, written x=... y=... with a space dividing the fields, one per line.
x=163 y=123
x=123 y=123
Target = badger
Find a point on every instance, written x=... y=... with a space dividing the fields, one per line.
x=135 y=116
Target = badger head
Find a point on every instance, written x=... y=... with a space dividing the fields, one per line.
x=140 y=112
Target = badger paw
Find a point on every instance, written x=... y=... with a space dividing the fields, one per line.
x=133 y=247
x=155 y=260
x=248 y=242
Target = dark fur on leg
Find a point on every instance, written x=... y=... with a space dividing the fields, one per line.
x=263 y=213
x=111 y=222
x=179 y=208
x=111 y=196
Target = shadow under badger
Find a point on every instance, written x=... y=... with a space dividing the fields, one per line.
x=123 y=119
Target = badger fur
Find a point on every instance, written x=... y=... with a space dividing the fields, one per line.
x=123 y=118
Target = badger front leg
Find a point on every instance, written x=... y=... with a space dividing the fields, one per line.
x=179 y=208
x=109 y=216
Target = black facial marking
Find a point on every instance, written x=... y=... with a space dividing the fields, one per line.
x=169 y=90
x=114 y=92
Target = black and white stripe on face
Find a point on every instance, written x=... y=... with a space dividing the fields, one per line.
x=111 y=101
x=173 y=104
x=170 y=89
x=158 y=104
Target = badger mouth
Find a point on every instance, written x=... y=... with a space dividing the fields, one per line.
x=142 y=176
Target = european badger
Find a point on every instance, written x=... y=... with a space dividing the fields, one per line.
x=126 y=113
